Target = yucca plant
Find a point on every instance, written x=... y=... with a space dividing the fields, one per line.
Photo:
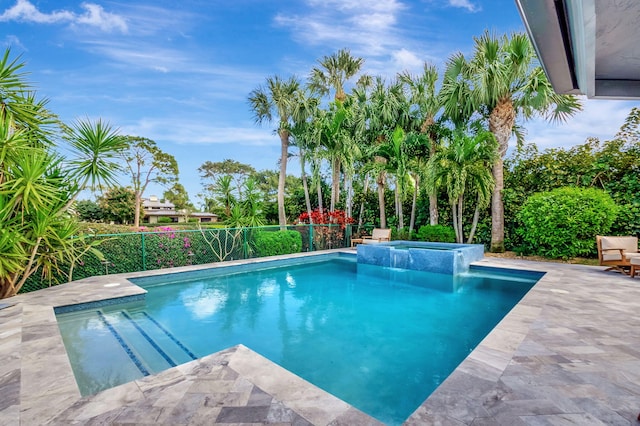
x=37 y=186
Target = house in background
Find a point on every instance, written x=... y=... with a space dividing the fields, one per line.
x=154 y=208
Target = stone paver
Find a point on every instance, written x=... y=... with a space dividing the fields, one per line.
x=572 y=356
x=568 y=353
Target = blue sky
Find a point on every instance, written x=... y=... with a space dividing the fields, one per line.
x=179 y=72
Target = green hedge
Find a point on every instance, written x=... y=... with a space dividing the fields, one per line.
x=277 y=242
x=436 y=233
x=563 y=223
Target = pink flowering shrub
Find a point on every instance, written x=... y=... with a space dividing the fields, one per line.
x=166 y=248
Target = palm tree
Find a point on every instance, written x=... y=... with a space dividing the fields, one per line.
x=19 y=103
x=334 y=142
x=396 y=160
x=224 y=189
x=277 y=100
x=504 y=82
x=424 y=99
x=252 y=204
x=305 y=137
x=462 y=166
x=333 y=73
x=97 y=147
x=418 y=149
x=385 y=103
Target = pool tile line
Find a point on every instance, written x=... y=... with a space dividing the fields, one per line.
x=170 y=336
x=148 y=338
x=134 y=358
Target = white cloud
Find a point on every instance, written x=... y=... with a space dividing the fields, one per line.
x=13 y=41
x=94 y=16
x=155 y=21
x=375 y=30
x=24 y=11
x=139 y=55
x=369 y=26
x=389 y=6
x=406 y=60
x=465 y=4
x=183 y=132
x=600 y=118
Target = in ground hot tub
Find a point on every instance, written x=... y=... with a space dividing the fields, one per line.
x=444 y=258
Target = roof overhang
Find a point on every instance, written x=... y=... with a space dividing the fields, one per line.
x=586 y=46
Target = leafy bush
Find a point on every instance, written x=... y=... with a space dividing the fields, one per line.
x=563 y=223
x=402 y=234
x=89 y=211
x=437 y=233
x=277 y=242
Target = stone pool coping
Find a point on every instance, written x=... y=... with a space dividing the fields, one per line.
x=569 y=352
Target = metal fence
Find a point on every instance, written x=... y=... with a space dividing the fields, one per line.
x=167 y=248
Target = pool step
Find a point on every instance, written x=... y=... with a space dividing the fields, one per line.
x=150 y=346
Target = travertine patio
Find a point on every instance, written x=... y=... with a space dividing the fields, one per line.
x=568 y=353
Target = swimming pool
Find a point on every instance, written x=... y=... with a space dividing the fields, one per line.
x=381 y=339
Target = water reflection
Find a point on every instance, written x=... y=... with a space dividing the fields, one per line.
x=203 y=302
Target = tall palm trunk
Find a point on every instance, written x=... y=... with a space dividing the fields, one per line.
x=456 y=208
x=319 y=191
x=497 y=208
x=335 y=184
x=305 y=186
x=348 y=186
x=433 y=198
x=284 y=153
x=317 y=179
x=414 y=202
x=501 y=122
x=365 y=191
x=460 y=219
x=433 y=209
x=454 y=214
x=383 y=216
x=399 y=212
x=474 y=223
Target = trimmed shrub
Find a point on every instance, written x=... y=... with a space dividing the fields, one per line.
x=277 y=242
x=401 y=234
x=563 y=223
x=436 y=233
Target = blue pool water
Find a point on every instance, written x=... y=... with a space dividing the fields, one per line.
x=381 y=339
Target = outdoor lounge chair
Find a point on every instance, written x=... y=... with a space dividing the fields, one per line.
x=635 y=266
x=616 y=252
x=378 y=235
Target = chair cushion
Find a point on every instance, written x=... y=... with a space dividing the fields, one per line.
x=611 y=255
x=381 y=234
x=370 y=241
x=628 y=244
